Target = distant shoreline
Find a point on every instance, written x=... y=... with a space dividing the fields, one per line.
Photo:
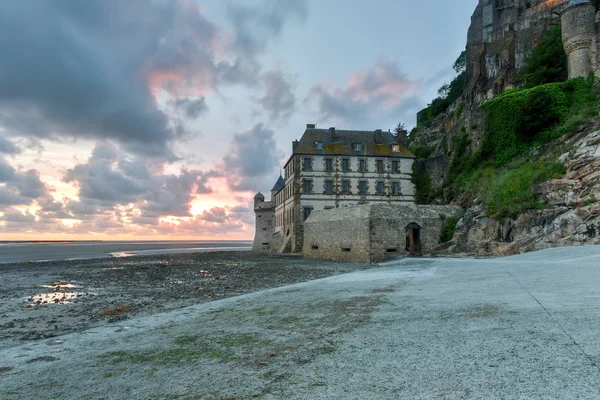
x=40 y=251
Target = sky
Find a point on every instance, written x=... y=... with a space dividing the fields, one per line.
x=160 y=119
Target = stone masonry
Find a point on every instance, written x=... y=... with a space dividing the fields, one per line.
x=374 y=232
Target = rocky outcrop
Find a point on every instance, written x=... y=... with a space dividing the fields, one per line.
x=573 y=219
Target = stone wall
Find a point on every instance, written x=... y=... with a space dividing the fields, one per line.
x=389 y=223
x=372 y=232
x=339 y=234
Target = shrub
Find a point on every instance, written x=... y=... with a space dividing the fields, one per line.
x=547 y=62
x=448 y=228
x=517 y=119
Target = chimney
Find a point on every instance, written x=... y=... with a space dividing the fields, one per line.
x=377 y=136
x=311 y=126
x=294 y=145
x=332 y=129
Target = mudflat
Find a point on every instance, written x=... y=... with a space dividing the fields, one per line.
x=48 y=299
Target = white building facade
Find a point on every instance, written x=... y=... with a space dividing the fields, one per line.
x=329 y=169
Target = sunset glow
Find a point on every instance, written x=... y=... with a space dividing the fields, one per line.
x=167 y=130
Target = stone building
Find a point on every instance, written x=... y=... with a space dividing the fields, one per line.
x=375 y=232
x=330 y=169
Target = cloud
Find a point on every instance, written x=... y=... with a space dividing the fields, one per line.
x=12 y=215
x=192 y=108
x=8 y=147
x=110 y=178
x=381 y=93
x=253 y=159
x=18 y=187
x=279 y=99
x=92 y=69
x=254 y=26
x=7 y=172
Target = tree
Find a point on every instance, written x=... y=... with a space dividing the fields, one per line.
x=460 y=65
x=547 y=62
x=401 y=133
x=444 y=91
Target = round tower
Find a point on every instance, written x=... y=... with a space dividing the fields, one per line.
x=259 y=198
x=578 y=22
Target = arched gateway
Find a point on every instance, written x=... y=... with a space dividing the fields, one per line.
x=413 y=239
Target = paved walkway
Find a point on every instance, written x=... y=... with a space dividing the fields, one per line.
x=522 y=327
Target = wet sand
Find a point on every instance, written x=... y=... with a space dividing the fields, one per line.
x=39 y=301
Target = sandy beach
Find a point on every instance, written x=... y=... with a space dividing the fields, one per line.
x=39 y=301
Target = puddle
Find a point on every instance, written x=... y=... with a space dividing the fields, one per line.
x=52 y=298
x=62 y=294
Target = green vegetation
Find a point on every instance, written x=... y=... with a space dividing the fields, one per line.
x=547 y=62
x=504 y=171
x=422 y=182
x=224 y=347
x=448 y=228
x=447 y=94
x=420 y=151
x=510 y=192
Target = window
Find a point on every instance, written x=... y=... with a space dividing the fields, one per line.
x=307 y=164
x=328 y=164
x=358 y=146
x=395 y=166
x=307 y=185
x=362 y=187
x=307 y=211
x=328 y=187
x=319 y=145
x=396 y=189
x=380 y=166
x=345 y=187
x=380 y=188
x=362 y=165
x=345 y=165
x=396 y=148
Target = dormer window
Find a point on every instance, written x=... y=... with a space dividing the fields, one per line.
x=319 y=145
x=358 y=146
x=396 y=148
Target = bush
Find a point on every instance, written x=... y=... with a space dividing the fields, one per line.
x=547 y=62
x=448 y=228
x=518 y=119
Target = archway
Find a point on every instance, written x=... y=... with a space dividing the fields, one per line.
x=413 y=239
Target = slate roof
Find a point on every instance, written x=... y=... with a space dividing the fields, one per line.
x=341 y=142
x=280 y=184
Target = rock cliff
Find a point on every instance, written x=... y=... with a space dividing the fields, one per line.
x=501 y=35
x=572 y=216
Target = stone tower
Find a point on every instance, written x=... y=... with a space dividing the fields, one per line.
x=265 y=212
x=578 y=22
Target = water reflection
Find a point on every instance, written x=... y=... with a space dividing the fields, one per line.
x=61 y=294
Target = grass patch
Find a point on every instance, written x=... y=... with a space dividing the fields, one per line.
x=508 y=191
x=224 y=347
